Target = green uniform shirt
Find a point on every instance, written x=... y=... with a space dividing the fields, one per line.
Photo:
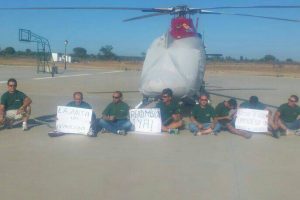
x=221 y=110
x=118 y=110
x=287 y=113
x=13 y=101
x=203 y=115
x=167 y=111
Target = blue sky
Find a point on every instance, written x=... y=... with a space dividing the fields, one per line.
x=229 y=35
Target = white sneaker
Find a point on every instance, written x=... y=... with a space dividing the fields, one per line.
x=103 y=130
x=24 y=126
x=121 y=132
x=90 y=133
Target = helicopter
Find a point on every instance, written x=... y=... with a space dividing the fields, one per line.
x=177 y=59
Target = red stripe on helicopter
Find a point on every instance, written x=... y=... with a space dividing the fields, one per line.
x=182 y=27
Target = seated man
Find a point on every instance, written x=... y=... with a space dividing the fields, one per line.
x=170 y=112
x=79 y=103
x=255 y=104
x=15 y=105
x=201 y=117
x=115 y=116
x=224 y=120
x=287 y=116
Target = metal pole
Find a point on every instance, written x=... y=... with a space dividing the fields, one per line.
x=66 y=43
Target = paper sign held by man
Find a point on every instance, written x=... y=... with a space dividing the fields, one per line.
x=73 y=120
x=146 y=121
x=252 y=120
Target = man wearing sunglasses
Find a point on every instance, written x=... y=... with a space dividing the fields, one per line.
x=115 y=116
x=201 y=117
x=286 y=117
x=15 y=105
x=170 y=112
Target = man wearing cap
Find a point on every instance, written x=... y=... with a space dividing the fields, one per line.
x=170 y=112
x=286 y=117
x=115 y=116
x=201 y=117
x=225 y=120
x=253 y=103
x=15 y=105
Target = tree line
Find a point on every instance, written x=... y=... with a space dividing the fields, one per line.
x=78 y=54
x=106 y=53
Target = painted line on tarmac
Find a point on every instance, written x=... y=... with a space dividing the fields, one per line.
x=111 y=72
x=65 y=76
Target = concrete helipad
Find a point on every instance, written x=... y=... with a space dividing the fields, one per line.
x=227 y=167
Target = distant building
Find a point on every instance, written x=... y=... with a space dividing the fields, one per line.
x=59 y=57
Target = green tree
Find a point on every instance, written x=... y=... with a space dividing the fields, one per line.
x=106 y=53
x=80 y=52
x=28 y=51
x=269 y=58
x=9 y=51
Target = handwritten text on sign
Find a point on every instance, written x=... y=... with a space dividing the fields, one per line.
x=146 y=120
x=73 y=120
x=252 y=120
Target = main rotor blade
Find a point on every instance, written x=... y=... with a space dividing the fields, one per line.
x=110 y=92
x=241 y=99
x=248 y=15
x=145 y=16
x=262 y=6
x=77 y=8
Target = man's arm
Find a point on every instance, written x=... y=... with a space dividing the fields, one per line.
x=27 y=101
x=193 y=120
x=221 y=118
x=105 y=114
x=2 y=111
x=276 y=118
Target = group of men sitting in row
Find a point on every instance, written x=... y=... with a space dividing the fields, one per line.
x=204 y=119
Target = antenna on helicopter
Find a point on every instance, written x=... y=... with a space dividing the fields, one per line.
x=197 y=20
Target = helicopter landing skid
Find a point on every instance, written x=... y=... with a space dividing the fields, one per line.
x=146 y=101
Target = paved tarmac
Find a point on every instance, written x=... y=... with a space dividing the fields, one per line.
x=227 y=167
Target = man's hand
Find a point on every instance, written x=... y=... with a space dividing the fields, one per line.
x=200 y=126
x=109 y=118
x=228 y=117
x=176 y=117
x=21 y=110
x=2 y=120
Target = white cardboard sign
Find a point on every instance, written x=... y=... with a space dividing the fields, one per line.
x=73 y=120
x=146 y=121
x=252 y=120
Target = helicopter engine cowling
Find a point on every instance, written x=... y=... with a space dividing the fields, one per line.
x=178 y=64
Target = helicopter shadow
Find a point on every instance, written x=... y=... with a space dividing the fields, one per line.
x=42 y=120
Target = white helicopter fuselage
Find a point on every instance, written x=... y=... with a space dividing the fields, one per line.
x=178 y=64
